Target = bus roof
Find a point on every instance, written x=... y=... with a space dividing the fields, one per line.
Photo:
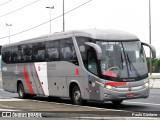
x=91 y=33
x=106 y=34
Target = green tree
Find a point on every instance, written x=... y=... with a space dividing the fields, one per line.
x=155 y=65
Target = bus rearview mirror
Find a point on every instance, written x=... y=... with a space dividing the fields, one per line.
x=97 y=49
x=152 y=48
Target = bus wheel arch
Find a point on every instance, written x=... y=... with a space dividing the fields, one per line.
x=71 y=86
x=75 y=94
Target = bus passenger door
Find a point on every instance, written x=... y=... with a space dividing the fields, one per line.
x=92 y=66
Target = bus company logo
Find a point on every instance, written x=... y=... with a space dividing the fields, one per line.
x=16 y=70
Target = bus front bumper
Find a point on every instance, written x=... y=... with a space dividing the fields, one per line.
x=124 y=93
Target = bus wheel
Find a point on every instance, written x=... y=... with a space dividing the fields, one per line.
x=21 y=92
x=76 y=96
x=117 y=102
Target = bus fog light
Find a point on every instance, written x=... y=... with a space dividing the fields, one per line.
x=109 y=87
x=146 y=85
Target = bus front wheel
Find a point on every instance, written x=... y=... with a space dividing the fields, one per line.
x=76 y=96
x=21 y=92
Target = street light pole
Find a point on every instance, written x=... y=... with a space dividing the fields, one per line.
x=9 y=25
x=50 y=16
x=63 y=17
x=150 y=37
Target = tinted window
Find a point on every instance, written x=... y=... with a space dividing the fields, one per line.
x=27 y=53
x=83 y=48
x=67 y=51
x=40 y=52
x=9 y=54
x=19 y=53
x=92 y=63
x=52 y=51
x=5 y=55
x=16 y=54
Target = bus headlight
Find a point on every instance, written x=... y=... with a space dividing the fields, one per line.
x=146 y=85
x=109 y=87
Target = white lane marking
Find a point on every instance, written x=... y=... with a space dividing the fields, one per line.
x=8 y=110
x=141 y=103
x=12 y=99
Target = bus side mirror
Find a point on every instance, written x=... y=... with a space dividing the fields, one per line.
x=97 y=49
x=152 y=48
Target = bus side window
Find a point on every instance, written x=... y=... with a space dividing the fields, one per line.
x=40 y=57
x=83 y=48
x=5 y=55
x=67 y=51
x=12 y=55
x=34 y=52
x=52 y=51
x=8 y=55
x=27 y=53
x=19 y=53
x=92 y=64
x=16 y=54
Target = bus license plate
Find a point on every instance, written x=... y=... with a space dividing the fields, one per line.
x=130 y=95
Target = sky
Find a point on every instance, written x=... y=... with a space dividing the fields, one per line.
x=127 y=15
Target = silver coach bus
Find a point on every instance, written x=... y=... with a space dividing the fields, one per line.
x=97 y=65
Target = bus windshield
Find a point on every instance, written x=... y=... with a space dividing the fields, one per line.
x=123 y=60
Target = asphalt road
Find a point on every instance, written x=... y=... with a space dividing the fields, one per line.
x=55 y=107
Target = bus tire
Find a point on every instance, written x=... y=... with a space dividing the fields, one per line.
x=76 y=96
x=117 y=102
x=21 y=91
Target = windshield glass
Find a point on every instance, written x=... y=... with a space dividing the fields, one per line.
x=122 y=59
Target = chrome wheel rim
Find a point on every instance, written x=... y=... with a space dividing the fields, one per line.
x=20 y=92
x=77 y=96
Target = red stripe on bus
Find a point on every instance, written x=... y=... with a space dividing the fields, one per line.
x=115 y=84
x=39 y=80
x=28 y=80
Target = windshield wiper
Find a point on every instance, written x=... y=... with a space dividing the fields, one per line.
x=130 y=63
x=122 y=60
